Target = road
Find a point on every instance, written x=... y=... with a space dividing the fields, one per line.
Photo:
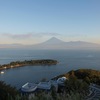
x=94 y=92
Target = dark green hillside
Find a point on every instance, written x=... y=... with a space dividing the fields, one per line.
x=88 y=75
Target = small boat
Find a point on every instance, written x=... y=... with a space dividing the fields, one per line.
x=29 y=87
x=2 y=72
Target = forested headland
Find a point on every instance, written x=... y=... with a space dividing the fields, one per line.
x=28 y=63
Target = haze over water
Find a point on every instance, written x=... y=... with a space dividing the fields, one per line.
x=68 y=60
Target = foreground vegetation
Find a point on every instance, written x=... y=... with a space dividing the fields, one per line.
x=6 y=91
x=76 y=88
x=28 y=62
x=79 y=91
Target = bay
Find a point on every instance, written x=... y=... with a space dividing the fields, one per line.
x=68 y=60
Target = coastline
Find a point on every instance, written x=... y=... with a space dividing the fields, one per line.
x=17 y=64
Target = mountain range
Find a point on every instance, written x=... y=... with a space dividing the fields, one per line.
x=55 y=43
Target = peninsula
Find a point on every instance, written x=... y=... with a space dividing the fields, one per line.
x=15 y=64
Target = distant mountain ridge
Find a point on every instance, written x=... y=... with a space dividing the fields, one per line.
x=53 y=40
x=55 y=43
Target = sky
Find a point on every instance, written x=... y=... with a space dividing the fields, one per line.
x=35 y=21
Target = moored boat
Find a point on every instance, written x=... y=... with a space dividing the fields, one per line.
x=2 y=72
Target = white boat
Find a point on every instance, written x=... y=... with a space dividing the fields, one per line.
x=2 y=72
x=44 y=85
x=29 y=87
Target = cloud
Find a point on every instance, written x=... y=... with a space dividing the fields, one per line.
x=41 y=34
x=17 y=36
x=29 y=35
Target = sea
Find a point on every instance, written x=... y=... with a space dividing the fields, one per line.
x=67 y=60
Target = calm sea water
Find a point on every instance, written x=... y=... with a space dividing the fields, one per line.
x=68 y=60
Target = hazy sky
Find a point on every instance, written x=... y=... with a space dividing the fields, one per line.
x=33 y=21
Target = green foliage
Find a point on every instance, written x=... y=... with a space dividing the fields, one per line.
x=6 y=91
x=76 y=85
x=53 y=93
x=64 y=96
x=88 y=75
